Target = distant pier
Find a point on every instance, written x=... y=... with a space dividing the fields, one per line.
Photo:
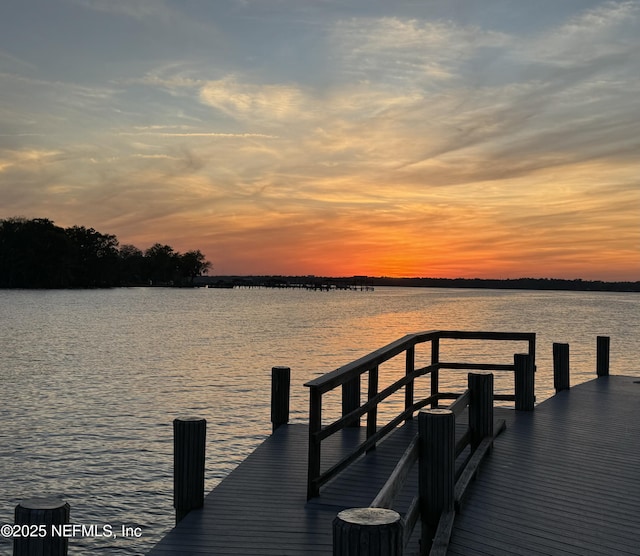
x=313 y=286
x=311 y=283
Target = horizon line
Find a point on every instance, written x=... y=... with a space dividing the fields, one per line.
x=356 y=276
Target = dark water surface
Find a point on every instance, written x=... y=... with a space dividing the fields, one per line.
x=91 y=380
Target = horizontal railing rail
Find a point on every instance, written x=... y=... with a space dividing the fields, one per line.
x=349 y=379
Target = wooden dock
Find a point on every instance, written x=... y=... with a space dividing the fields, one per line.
x=562 y=479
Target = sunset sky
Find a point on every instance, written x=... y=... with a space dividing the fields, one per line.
x=439 y=138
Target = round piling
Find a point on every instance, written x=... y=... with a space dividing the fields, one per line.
x=39 y=518
x=367 y=532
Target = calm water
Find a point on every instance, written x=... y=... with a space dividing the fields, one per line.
x=91 y=380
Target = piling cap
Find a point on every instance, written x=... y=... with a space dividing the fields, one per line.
x=437 y=411
x=43 y=503
x=189 y=419
x=369 y=516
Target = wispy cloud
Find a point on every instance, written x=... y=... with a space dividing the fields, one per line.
x=26 y=158
x=11 y=61
x=158 y=133
x=397 y=51
x=250 y=102
x=599 y=34
x=136 y=9
x=30 y=103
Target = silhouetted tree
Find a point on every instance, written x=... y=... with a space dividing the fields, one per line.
x=192 y=264
x=132 y=266
x=95 y=257
x=33 y=254
x=162 y=264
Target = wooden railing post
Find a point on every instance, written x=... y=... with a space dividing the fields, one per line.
x=315 y=424
x=524 y=382
x=280 y=390
x=602 y=355
x=189 y=437
x=561 y=367
x=410 y=366
x=351 y=399
x=532 y=352
x=435 y=359
x=480 y=407
x=46 y=516
x=436 y=471
x=367 y=532
x=372 y=416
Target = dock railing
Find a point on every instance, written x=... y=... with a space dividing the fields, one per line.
x=443 y=478
x=349 y=378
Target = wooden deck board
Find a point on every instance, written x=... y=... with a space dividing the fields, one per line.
x=563 y=479
x=261 y=507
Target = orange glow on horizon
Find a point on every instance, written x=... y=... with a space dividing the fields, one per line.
x=409 y=152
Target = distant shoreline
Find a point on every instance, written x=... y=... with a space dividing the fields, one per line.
x=466 y=283
x=371 y=282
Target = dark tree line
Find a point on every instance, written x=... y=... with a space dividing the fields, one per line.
x=38 y=254
x=510 y=284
